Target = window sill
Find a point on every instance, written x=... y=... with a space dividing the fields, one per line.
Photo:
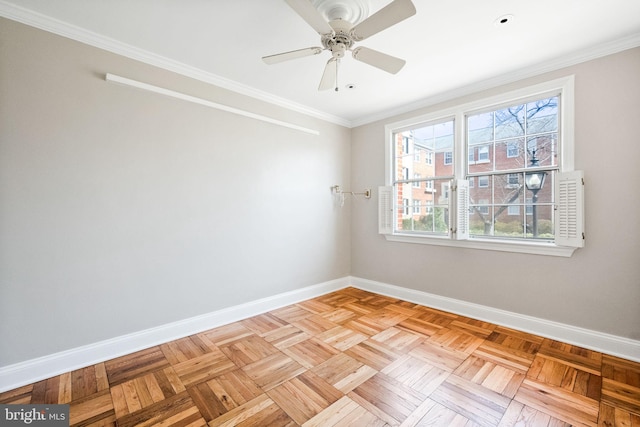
x=535 y=248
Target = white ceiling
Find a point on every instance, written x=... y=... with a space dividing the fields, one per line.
x=451 y=46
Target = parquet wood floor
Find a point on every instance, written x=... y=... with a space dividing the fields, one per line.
x=351 y=358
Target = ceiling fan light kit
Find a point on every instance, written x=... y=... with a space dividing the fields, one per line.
x=342 y=30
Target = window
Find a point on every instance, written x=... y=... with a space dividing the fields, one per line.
x=483 y=153
x=513 y=180
x=416 y=182
x=448 y=157
x=429 y=157
x=513 y=150
x=506 y=139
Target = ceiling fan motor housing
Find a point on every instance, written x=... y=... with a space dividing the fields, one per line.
x=340 y=41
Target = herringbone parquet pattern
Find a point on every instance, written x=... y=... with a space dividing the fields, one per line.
x=351 y=358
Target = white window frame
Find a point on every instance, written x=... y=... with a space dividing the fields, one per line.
x=563 y=86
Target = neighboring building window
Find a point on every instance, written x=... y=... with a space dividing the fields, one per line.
x=429 y=208
x=448 y=157
x=416 y=183
x=416 y=207
x=483 y=153
x=506 y=139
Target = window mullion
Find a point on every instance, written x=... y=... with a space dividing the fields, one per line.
x=460 y=147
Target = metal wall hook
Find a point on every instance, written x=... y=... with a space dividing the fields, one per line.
x=336 y=190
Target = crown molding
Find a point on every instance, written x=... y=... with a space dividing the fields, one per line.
x=73 y=32
x=55 y=26
x=584 y=55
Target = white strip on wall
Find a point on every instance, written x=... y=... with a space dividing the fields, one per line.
x=112 y=78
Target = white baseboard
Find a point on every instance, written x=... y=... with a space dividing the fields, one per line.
x=30 y=371
x=625 y=348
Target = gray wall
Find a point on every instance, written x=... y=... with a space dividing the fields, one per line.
x=122 y=210
x=599 y=287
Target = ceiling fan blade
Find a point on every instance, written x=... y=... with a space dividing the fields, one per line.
x=394 y=12
x=294 y=54
x=329 y=75
x=385 y=62
x=310 y=14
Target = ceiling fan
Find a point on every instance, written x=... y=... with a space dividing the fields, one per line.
x=338 y=36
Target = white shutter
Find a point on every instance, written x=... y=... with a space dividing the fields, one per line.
x=569 y=223
x=385 y=210
x=462 y=209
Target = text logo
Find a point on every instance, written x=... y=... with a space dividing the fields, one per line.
x=34 y=415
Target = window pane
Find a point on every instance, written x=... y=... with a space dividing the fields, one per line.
x=508 y=188
x=542 y=116
x=510 y=122
x=480 y=215
x=540 y=222
x=544 y=149
x=510 y=154
x=509 y=221
x=483 y=158
x=480 y=128
x=545 y=194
